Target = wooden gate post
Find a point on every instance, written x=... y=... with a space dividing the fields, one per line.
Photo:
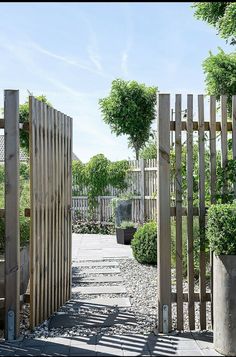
x=163 y=213
x=12 y=236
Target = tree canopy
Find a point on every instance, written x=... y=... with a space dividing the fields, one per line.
x=221 y=15
x=220 y=71
x=130 y=110
x=24 y=117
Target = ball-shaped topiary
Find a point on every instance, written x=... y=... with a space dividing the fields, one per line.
x=144 y=243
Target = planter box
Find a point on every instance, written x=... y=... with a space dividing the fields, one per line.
x=224 y=304
x=24 y=277
x=125 y=235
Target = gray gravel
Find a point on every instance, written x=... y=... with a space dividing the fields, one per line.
x=141 y=285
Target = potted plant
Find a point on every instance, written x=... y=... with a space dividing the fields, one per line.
x=125 y=232
x=221 y=232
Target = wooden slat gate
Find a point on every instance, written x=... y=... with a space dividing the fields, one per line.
x=50 y=211
x=205 y=134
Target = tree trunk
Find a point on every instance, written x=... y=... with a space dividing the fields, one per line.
x=137 y=154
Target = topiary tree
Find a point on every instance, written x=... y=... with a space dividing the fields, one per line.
x=221 y=15
x=24 y=117
x=130 y=110
x=220 y=71
x=144 y=243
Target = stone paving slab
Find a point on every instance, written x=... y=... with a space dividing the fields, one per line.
x=99 y=271
x=98 y=279
x=91 y=290
x=103 y=302
x=91 y=320
x=98 y=263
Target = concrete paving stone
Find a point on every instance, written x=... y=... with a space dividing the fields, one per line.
x=98 y=263
x=33 y=342
x=98 y=271
x=98 y=279
x=189 y=353
x=53 y=348
x=210 y=352
x=91 y=290
x=104 y=348
x=28 y=351
x=83 y=350
x=187 y=345
x=84 y=341
x=92 y=320
x=105 y=302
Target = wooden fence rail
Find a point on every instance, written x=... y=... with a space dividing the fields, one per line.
x=204 y=134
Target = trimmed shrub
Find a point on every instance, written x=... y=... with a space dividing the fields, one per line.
x=221 y=229
x=144 y=243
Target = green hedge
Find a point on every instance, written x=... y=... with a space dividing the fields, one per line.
x=144 y=243
x=221 y=229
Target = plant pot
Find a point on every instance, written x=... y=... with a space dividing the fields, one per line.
x=224 y=304
x=123 y=211
x=125 y=235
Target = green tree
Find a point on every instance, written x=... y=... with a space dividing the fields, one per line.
x=130 y=110
x=221 y=15
x=24 y=117
x=220 y=71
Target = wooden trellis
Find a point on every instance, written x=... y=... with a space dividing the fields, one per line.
x=189 y=128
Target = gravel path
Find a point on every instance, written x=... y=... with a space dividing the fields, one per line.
x=141 y=286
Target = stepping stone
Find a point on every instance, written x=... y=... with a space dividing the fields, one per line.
x=99 y=263
x=91 y=290
x=97 y=279
x=102 y=302
x=99 y=271
x=90 y=320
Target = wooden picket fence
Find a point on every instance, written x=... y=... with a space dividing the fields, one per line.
x=205 y=133
x=142 y=185
x=50 y=185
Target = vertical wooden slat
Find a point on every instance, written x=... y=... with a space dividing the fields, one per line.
x=62 y=208
x=224 y=142
x=57 y=278
x=178 y=179
x=59 y=267
x=234 y=132
x=12 y=234
x=41 y=223
x=202 y=265
x=70 y=138
x=33 y=197
x=37 y=188
x=142 y=191
x=163 y=211
x=47 y=288
x=190 y=259
x=213 y=177
x=65 y=208
x=49 y=208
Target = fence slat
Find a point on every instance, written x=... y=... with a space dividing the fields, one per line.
x=163 y=216
x=12 y=233
x=202 y=265
x=234 y=132
x=191 y=310
x=224 y=142
x=213 y=177
x=178 y=186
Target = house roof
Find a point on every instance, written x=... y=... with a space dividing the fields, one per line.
x=23 y=156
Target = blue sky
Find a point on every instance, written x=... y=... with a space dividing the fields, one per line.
x=71 y=52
